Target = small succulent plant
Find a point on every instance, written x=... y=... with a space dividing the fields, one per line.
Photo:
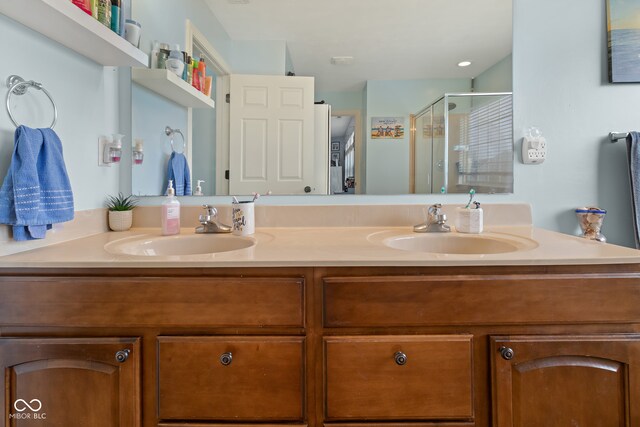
x=121 y=203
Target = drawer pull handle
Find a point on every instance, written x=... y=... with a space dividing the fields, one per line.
x=226 y=358
x=400 y=358
x=506 y=353
x=122 y=355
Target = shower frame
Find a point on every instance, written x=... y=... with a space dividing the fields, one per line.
x=414 y=117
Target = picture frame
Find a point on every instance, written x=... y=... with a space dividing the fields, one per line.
x=622 y=32
x=387 y=128
x=335 y=146
x=335 y=158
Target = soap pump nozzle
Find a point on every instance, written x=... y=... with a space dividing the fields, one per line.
x=170 y=190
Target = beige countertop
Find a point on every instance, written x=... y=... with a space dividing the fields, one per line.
x=325 y=246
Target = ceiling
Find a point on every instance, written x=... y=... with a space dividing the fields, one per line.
x=339 y=125
x=388 y=39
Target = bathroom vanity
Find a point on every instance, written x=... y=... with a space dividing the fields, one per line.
x=386 y=340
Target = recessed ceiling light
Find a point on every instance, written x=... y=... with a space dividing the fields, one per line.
x=342 y=60
x=464 y=63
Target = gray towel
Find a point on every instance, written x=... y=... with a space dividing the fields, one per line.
x=633 y=149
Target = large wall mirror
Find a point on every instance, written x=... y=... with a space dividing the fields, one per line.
x=416 y=97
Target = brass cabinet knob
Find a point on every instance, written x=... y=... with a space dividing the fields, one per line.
x=226 y=358
x=506 y=353
x=122 y=355
x=400 y=358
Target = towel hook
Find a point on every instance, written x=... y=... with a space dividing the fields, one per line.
x=170 y=132
x=18 y=86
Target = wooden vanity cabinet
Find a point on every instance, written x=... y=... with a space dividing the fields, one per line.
x=70 y=381
x=332 y=347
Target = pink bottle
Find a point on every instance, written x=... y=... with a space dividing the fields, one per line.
x=170 y=213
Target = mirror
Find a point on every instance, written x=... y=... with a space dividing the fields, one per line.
x=372 y=60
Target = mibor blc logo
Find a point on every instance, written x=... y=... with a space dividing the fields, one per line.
x=28 y=410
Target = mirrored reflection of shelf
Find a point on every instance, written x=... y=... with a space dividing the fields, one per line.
x=62 y=21
x=172 y=87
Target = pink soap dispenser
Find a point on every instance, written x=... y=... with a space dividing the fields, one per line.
x=170 y=213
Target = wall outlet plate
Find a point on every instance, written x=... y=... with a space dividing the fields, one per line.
x=534 y=150
x=102 y=144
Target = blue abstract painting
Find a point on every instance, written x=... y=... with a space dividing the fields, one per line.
x=623 y=30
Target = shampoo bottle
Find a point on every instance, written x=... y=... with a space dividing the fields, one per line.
x=115 y=16
x=170 y=212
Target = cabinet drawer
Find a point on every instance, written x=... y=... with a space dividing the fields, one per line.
x=262 y=379
x=137 y=301
x=366 y=380
x=397 y=301
x=229 y=425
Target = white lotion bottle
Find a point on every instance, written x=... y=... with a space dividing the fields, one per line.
x=170 y=213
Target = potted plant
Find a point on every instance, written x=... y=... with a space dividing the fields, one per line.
x=121 y=211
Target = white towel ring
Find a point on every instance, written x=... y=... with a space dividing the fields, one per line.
x=170 y=133
x=18 y=86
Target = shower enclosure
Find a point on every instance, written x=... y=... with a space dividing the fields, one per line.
x=463 y=141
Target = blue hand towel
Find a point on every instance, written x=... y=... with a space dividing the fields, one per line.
x=36 y=192
x=178 y=171
x=633 y=149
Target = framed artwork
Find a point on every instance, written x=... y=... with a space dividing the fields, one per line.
x=335 y=158
x=335 y=146
x=387 y=127
x=623 y=34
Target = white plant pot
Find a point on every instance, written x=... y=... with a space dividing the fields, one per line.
x=120 y=220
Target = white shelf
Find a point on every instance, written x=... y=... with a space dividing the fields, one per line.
x=172 y=87
x=62 y=21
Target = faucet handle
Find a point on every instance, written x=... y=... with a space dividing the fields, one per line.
x=211 y=211
x=435 y=209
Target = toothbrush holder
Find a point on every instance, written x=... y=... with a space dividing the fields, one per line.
x=243 y=218
x=469 y=220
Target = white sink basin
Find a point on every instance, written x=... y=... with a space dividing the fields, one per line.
x=179 y=245
x=458 y=243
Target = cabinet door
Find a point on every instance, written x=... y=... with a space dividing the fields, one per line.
x=61 y=382
x=566 y=380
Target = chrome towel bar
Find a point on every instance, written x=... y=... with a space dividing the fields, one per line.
x=615 y=136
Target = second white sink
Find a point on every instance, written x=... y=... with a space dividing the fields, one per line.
x=458 y=243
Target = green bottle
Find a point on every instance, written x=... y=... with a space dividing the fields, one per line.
x=104 y=12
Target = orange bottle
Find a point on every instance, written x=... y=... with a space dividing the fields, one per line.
x=202 y=73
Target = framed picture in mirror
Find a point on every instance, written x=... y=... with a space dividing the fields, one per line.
x=335 y=146
x=335 y=158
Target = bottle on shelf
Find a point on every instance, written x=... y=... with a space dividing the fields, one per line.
x=196 y=75
x=115 y=16
x=153 y=58
x=174 y=63
x=202 y=73
x=163 y=55
x=104 y=12
x=187 y=60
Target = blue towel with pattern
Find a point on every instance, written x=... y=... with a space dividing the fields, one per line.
x=36 y=192
x=178 y=171
x=633 y=149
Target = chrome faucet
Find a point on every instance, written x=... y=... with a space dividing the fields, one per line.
x=210 y=223
x=436 y=221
